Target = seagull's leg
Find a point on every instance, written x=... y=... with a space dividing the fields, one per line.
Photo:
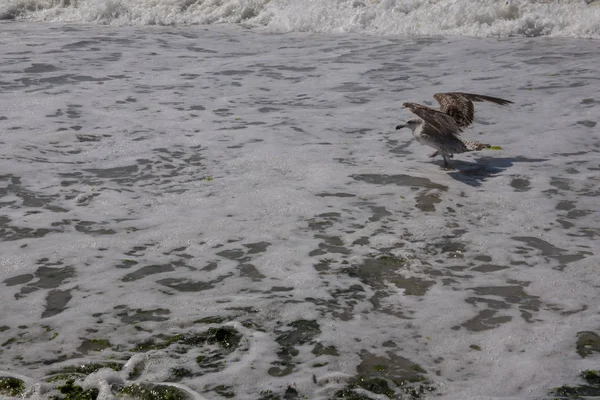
x=434 y=154
x=445 y=160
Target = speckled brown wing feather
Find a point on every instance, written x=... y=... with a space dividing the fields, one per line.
x=438 y=121
x=460 y=105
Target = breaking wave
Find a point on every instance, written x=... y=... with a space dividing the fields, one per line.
x=556 y=18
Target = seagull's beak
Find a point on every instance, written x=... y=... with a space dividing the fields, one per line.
x=400 y=126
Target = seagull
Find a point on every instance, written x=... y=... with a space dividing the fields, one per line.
x=441 y=128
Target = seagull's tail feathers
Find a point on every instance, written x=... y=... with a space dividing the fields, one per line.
x=475 y=146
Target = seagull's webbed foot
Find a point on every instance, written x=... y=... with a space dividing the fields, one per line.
x=435 y=153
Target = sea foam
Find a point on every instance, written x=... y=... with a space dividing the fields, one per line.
x=161 y=185
x=556 y=18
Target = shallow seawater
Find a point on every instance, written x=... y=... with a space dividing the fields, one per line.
x=232 y=212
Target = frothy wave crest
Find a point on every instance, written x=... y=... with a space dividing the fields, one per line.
x=557 y=18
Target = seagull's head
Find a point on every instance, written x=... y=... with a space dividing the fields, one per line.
x=411 y=124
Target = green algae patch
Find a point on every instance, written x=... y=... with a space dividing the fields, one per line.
x=592 y=389
x=302 y=332
x=148 y=391
x=290 y=394
x=320 y=350
x=495 y=148
x=70 y=391
x=9 y=342
x=373 y=385
x=349 y=394
x=100 y=342
x=211 y=363
x=587 y=343
x=393 y=376
x=88 y=345
x=592 y=377
x=390 y=259
x=417 y=368
x=378 y=271
x=225 y=391
x=268 y=395
x=249 y=324
x=576 y=392
x=226 y=337
x=147 y=345
x=177 y=374
x=413 y=286
x=63 y=377
x=215 y=319
x=376 y=385
x=10 y=386
x=87 y=369
x=382 y=386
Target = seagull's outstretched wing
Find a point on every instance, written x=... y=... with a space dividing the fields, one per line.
x=437 y=120
x=460 y=105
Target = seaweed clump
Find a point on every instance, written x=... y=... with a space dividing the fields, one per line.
x=71 y=391
x=587 y=343
x=592 y=389
x=10 y=386
x=302 y=332
x=148 y=391
x=393 y=376
x=226 y=337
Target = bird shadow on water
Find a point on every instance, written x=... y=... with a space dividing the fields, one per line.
x=475 y=173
